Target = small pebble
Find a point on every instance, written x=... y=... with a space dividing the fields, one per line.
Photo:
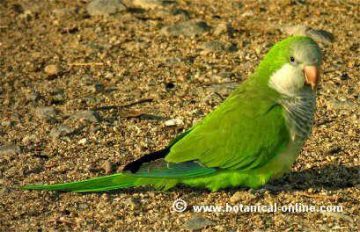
x=61 y=131
x=105 y=7
x=174 y=122
x=318 y=35
x=86 y=115
x=197 y=223
x=189 y=28
x=52 y=70
x=82 y=206
x=224 y=28
x=33 y=96
x=152 y=4
x=46 y=113
x=213 y=46
x=108 y=167
x=9 y=149
x=83 y=141
x=28 y=139
x=7 y=123
x=236 y=197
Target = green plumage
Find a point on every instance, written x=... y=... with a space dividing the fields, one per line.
x=238 y=144
x=246 y=135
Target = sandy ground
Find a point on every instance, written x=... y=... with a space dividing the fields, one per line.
x=81 y=95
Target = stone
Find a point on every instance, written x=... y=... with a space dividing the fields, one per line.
x=236 y=197
x=64 y=12
x=197 y=223
x=83 y=141
x=172 y=61
x=27 y=15
x=342 y=104
x=321 y=36
x=7 y=123
x=105 y=7
x=83 y=206
x=86 y=80
x=318 y=35
x=9 y=149
x=46 y=113
x=28 y=139
x=86 y=115
x=220 y=29
x=188 y=28
x=152 y=4
x=224 y=28
x=132 y=203
x=108 y=167
x=61 y=131
x=174 y=122
x=52 y=70
x=213 y=46
x=33 y=96
x=217 y=46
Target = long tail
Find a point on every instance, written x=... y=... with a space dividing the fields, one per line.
x=98 y=184
x=151 y=169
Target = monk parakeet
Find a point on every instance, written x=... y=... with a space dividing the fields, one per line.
x=254 y=136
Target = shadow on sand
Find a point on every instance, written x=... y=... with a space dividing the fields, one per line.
x=331 y=177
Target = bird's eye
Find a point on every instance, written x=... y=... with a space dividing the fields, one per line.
x=292 y=60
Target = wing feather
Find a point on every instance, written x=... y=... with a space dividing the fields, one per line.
x=244 y=132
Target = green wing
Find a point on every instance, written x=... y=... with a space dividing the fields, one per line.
x=244 y=132
x=161 y=169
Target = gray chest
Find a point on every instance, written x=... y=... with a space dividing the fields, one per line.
x=299 y=114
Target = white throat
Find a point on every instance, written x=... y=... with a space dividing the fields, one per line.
x=298 y=102
x=288 y=80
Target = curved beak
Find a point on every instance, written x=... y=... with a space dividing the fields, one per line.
x=312 y=76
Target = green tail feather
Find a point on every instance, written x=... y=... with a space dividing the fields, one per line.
x=98 y=184
x=160 y=175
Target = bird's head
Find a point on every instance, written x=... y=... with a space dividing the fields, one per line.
x=291 y=66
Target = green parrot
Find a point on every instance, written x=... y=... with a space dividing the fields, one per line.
x=254 y=136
